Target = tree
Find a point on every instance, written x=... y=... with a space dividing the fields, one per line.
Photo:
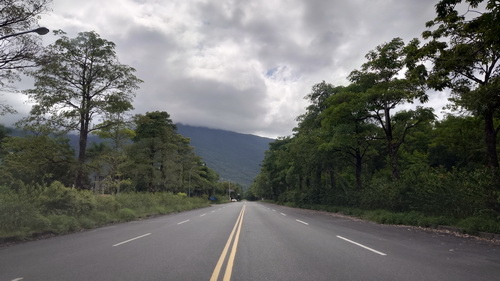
x=457 y=142
x=163 y=160
x=79 y=80
x=36 y=159
x=465 y=50
x=384 y=90
x=18 y=52
x=347 y=120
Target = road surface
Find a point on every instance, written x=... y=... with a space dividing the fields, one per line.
x=251 y=241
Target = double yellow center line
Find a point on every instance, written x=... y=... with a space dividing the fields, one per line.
x=230 y=262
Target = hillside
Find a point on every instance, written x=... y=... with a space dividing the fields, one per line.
x=236 y=157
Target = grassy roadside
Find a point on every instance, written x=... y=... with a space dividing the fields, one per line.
x=471 y=225
x=57 y=209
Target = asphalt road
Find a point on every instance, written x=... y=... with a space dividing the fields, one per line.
x=252 y=241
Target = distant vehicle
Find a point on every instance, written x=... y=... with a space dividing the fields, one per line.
x=234 y=200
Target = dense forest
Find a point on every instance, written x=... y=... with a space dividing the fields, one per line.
x=355 y=146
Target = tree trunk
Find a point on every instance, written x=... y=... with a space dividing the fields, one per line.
x=331 y=173
x=318 y=188
x=392 y=148
x=82 y=143
x=359 y=168
x=491 y=140
x=393 y=160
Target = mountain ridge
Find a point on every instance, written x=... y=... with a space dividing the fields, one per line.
x=234 y=156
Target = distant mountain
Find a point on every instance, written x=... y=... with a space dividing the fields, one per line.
x=234 y=156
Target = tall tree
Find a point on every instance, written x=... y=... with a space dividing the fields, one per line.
x=80 y=79
x=347 y=120
x=161 y=159
x=465 y=50
x=385 y=89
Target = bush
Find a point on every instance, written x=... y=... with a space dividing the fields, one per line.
x=58 y=209
x=63 y=224
x=126 y=214
x=473 y=225
x=107 y=203
x=60 y=200
x=86 y=222
x=16 y=210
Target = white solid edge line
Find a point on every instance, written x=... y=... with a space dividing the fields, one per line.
x=362 y=246
x=302 y=222
x=182 y=222
x=126 y=241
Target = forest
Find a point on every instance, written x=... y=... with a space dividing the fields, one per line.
x=373 y=146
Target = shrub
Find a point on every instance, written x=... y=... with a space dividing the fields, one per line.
x=473 y=225
x=126 y=214
x=16 y=211
x=58 y=199
x=63 y=224
x=107 y=203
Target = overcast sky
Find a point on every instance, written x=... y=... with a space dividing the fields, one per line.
x=239 y=65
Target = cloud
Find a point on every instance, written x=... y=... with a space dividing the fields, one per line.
x=238 y=65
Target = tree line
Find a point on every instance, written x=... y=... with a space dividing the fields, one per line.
x=359 y=145
x=81 y=87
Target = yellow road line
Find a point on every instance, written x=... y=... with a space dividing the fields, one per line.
x=230 y=262
x=220 y=262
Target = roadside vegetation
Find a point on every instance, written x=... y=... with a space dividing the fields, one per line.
x=57 y=209
x=139 y=167
x=373 y=149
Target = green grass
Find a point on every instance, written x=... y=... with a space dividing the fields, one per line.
x=57 y=209
x=471 y=225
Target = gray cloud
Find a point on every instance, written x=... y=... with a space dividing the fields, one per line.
x=237 y=65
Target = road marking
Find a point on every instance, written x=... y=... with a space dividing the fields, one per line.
x=18 y=279
x=362 y=246
x=213 y=211
x=302 y=222
x=182 y=222
x=126 y=241
x=203 y=215
x=283 y=214
x=230 y=263
x=274 y=210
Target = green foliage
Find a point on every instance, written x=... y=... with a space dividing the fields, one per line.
x=60 y=200
x=16 y=211
x=79 y=80
x=464 y=50
x=126 y=214
x=58 y=209
x=162 y=160
x=62 y=223
x=36 y=159
x=355 y=148
x=476 y=224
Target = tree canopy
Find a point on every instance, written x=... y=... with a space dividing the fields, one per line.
x=78 y=81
